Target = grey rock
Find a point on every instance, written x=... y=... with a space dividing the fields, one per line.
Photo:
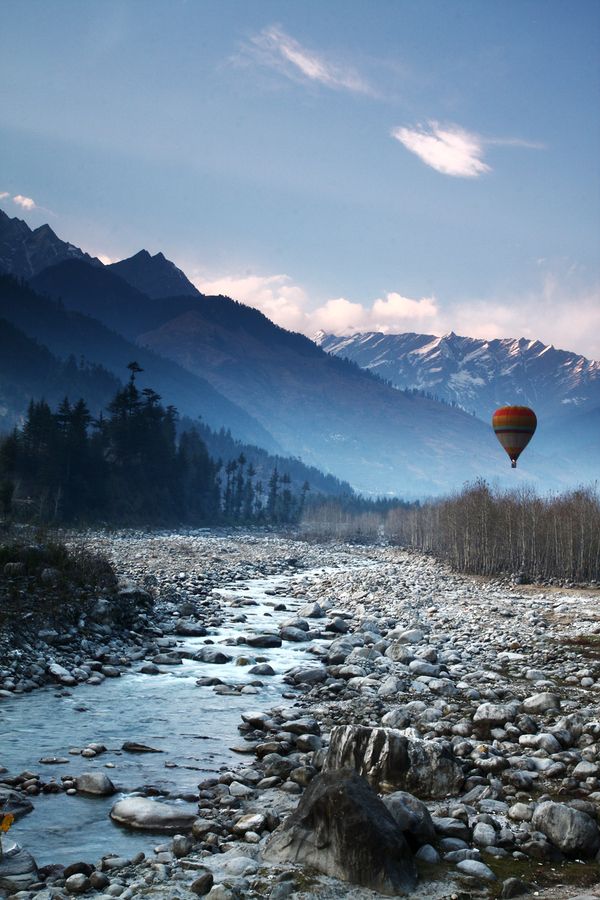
x=541 y=703
x=476 y=869
x=428 y=854
x=144 y=814
x=18 y=870
x=411 y=815
x=189 y=628
x=294 y=635
x=311 y=611
x=181 y=846
x=262 y=669
x=572 y=831
x=303 y=725
x=96 y=783
x=307 y=674
x=14 y=802
x=211 y=654
x=390 y=761
x=411 y=636
x=322 y=833
x=484 y=835
x=202 y=884
x=78 y=884
x=223 y=892
x=264 y=640
x=495 y=713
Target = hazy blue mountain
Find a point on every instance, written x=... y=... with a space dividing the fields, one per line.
x=156 y=276
x=105 y=295
x=25 y=252
x=478 y=375
x=65 y=332
x=97 y=292
x=278 y=390
x=562 y=387
x=326 y=410
x=29 y=371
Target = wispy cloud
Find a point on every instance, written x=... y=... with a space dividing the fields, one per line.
x=448 y=149
x=274 y=48
x=4 y=195
x=453 y=150
x=24 y=202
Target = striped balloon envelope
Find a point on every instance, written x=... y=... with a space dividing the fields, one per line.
x=514 y=427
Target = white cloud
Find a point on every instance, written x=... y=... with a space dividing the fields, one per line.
x=289 y=305
x=558 y=312
x=396 y=308
x=104 y=259
x=274 y=48
x=24 y=202
x=4 y=195
x=448 y=149
x=274 y=295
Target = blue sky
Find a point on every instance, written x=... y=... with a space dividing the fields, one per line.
x=404 y=166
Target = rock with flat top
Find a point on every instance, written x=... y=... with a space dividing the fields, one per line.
x=390 y=761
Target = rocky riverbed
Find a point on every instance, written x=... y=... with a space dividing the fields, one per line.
x=419 y=733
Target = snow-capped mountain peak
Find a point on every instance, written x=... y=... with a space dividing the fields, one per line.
x=474 y=373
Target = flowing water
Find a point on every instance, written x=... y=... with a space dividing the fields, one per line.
x=192 y=726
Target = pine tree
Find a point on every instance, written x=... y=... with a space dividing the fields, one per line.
x=273 y=496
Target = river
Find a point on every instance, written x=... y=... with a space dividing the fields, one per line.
x=192 y=726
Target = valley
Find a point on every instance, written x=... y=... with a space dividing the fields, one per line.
x=324 y=648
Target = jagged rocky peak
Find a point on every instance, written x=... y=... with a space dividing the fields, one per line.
x=156 y=276
x=25 y=252
x=474 y=373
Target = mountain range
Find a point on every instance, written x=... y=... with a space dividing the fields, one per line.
x=481 y=375
x=478 y=375
x=217 y=358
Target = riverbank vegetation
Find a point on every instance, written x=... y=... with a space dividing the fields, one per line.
x=131 y=467
x=482 y=531
x=44 y=583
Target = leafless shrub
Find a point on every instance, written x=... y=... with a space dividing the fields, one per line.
x=489 y=532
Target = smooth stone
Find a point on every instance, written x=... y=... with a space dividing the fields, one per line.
x=145 y=814
x=95 y=783
x=476 y=869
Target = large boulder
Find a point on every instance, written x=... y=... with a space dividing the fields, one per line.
x=342 y=828
x=391 y=762
x=145 y=814
x=572 y=831
x=18 y=870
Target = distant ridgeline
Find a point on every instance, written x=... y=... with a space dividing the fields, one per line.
x=131 y=467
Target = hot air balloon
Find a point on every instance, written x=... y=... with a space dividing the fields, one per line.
x=514 y=427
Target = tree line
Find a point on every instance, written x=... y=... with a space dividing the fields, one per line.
x=489 y=532
x=130 y=466
x=479 y=530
